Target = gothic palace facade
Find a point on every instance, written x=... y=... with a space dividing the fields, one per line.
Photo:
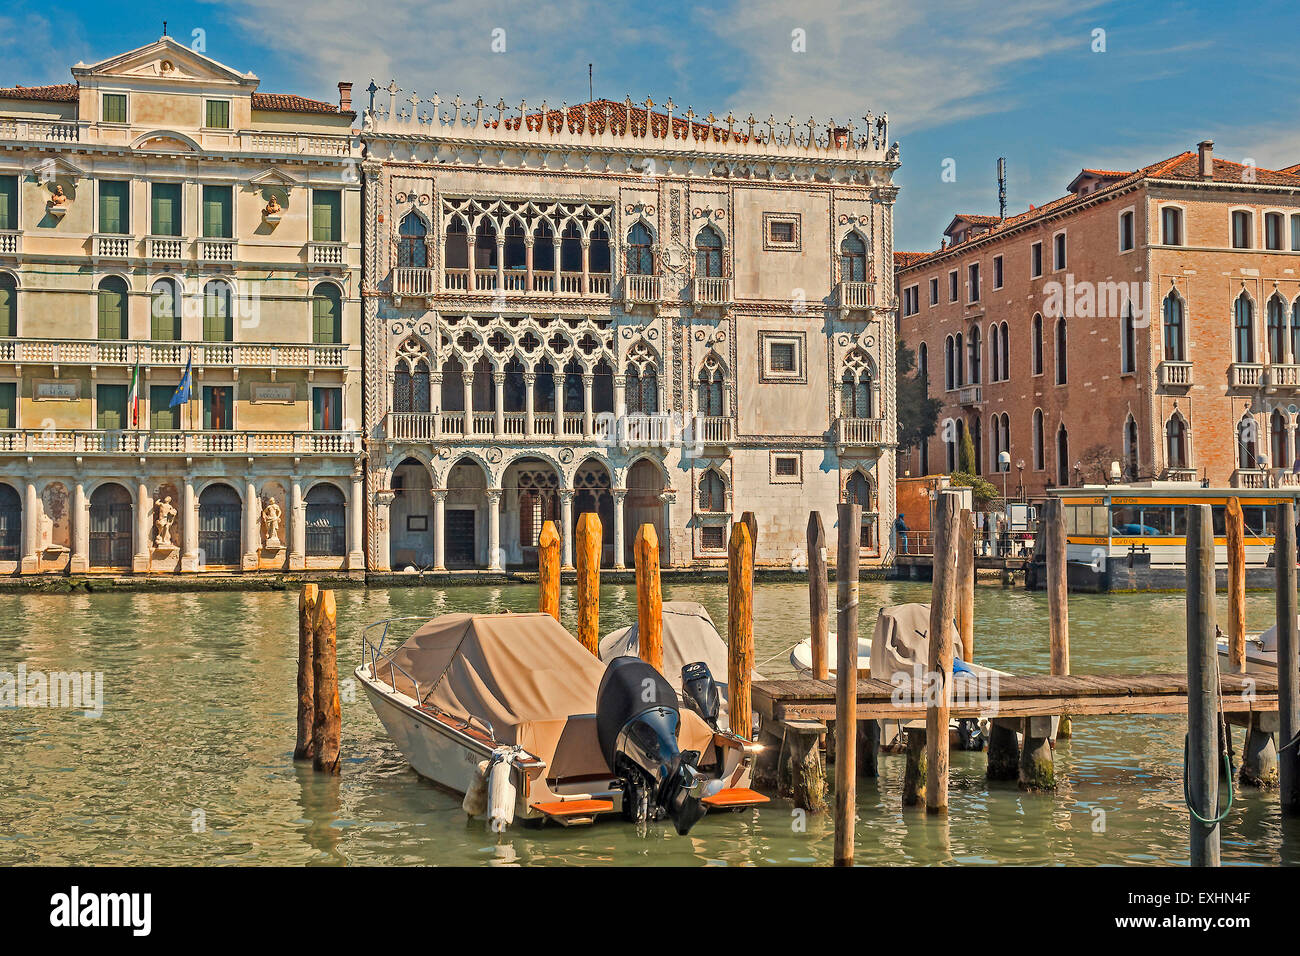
x=613 y=308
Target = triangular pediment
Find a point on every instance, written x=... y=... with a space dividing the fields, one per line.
x=52 y=167
x=166 y=59
x=274 y=177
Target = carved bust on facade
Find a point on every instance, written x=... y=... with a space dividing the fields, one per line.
x=58 y=202
x=271 y=213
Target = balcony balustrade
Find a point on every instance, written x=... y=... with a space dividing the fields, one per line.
x=38 y=441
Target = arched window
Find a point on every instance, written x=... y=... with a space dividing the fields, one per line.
x=1131 y=448
x=1062 y=352
x=642 y=391
x=1247 y=446
x=1279 y=440
x=995 y=353
x=602 y=388
x=1243 y=329
x=218 y=324
x=516 y=252
x=1277 y=333
x=977 y=441
x=453 y=386
x=855 y=392
x=9 y=306
x=11 y=524
x=1174 y=339
x=327 y=315
x=1039 y=458
x=640 y=251
x=543 y=250
x=708 y=254
x=973 y=349
x=1036 y=344
x=411 y=379
x=711 y=399
x=165 y=311
x=1062 y=456
x=485 y=254
x=571 y=249
x=1128 y=343
x=112 y=308
x=412 y=251
x=923 y=357
x=959 y=360
x=1295 y=331
x=853 y=259
x=455 y=253
x=326 y=522
x=713 y=492
x=598 y=250
x=948 y=378
x=1176 y=441
x=1006 y=352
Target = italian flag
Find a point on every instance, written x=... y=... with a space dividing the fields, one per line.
x=133 y=399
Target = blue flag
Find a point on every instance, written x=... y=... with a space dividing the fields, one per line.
x=182 y=394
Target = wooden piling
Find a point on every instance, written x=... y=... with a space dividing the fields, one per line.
x=740 y=630
x=1202 y=764
x=966 y=585
x=303 y=749
x=1288 y=659
x=943 y=600
x=548 y=570
x=849 y=520
x=914 y=775
x=649 y=598
x=589 y=538
x=1003 y=752
x=1058 y=600
x=751 y=523
x=818 y=595
x=1235 y=528
x=327 y=721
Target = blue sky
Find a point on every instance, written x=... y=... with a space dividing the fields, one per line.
x=962 y=80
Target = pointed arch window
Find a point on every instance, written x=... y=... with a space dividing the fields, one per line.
x=1279 y=439
x=708 y=254
x=711 y=389
x=411 y=379
x=1176 y=441
x=973 y=348
x=1036 y=344
x=1174 y=339
x=1062 y=352
x=855 y=394
x=1243 y=329
x=1062 y=456
x=642 y=391
x=1131 y=448
x=1247 y=446
x=995 y=353
x=1277 y=331
x=853 y=259
x=412 y=249
x=1128 y=343
x=713 y=492
x=640 y=251
x=455 y=253
x=1040 y=463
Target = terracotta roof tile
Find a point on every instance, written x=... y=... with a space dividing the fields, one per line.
x=905 y=259
x=290 y=103
x=1292 y=170
x=602 y=111
x=59 y=93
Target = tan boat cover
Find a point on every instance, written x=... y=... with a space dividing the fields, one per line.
x=902 y=640
x=689 y=636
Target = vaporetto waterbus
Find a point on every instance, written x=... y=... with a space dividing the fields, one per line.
x=1133 y=537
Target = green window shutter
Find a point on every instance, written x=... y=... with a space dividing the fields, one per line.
x=326 y=409
x=112 y=406
x=326 y=215
x=8 y=202
x=217 y=325
x=166 y=213
x=216 y=212
x=164 y=314
x=218 y=114
x=8 y=404
x=114 y=212
x=114 y=108
x=162 y=417
x=326 y=316
x=8 y=307
x=112 y=309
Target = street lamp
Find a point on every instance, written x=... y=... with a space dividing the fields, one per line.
x=1020 y=474
x=1004 y=466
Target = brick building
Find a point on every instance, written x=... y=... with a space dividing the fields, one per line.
x=1149 y=318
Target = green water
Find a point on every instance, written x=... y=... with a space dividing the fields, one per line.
x=191 y=760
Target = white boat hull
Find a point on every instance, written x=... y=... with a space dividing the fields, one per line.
x=1258 y=660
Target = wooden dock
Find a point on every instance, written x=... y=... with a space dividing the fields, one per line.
x=1015 y=697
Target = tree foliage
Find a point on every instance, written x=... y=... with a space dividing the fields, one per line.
x=918 y=414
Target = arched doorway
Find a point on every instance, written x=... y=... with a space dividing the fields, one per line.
x=643 y=505
x=530 y=498
x=592 y=492
x=410 y=520
x=465 y=525
x=11 y=524
x=110 y=527
x=326 y=522
x=220 y=526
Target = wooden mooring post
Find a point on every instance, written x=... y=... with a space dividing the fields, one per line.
x=1058 y=597
x=327 y=720
x=548 y=570
x=1259 y=754
x=740 y=631
x=943 y=607
x=1288 y=659
x=1202 y=764
x=587 y=563
x=818 y=596
x=966 y=585
x=303 y=749
x=849 y=520
x=649 y=598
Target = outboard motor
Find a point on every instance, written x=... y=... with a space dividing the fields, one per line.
x=700 y=692
x=636 y=723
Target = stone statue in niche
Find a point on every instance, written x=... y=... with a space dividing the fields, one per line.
x=57 y=196
x=272 y=514
x=273 y=209
x=163 y=524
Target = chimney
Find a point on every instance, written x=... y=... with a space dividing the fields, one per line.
x=345 y=97
x=1205 y=168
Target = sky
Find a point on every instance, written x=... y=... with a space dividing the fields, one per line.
x=1053 y=86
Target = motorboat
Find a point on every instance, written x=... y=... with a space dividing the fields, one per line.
x=689 y=636
x=801 y=656
x=512 y=712
x=1261 y=652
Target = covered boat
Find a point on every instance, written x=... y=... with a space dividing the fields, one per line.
x=1261 y=652
x=507 y=709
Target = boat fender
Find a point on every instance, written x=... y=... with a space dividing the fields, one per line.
x=500 y=791
x=476 y=801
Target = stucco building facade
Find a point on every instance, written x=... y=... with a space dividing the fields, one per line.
x=1149 y=318
x=622 y=309
x=160 y=212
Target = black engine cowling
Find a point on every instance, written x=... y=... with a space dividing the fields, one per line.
x=637 y=720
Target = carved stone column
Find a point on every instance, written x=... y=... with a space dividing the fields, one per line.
x=32 y=512
x=252 y=527
x=619 y=495
x=559 y=407
x=383 y=504
x=620 y=395
x=297 y=526
x=80 y=560
x=467 y=386
x=666 y=542
x=189 y=527
x=356 y=526
x=566 y=524
x=143 y=522
x=494 y=529
x=588 y=425
x=530 y=380
x=439 y=528
x=528 y=263
x=499 y=421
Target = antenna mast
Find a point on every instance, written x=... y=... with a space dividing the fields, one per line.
x=1002 y=187
x=591 y=87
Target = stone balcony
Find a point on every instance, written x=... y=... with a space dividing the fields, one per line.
x=474 y=426
x=969 y=396
x=29 y=351
x=59 y=441
x=851 y=297
x=244 y=141
x=11 y=242
x=641 y=289
x=1245 y=375
x=1281 y=377
x=711 y=291
x=331 y=255
x=1174 y=374
x=112 y=246
x=860 y=432
x=415 y=282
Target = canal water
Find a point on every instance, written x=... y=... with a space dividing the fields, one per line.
x=190 y=762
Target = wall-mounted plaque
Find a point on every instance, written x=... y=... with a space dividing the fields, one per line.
x=273 y=392
x=56 y=390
